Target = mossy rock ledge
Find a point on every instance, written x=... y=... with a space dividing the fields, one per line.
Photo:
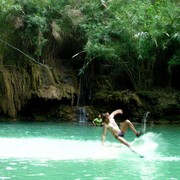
x=24 y=92
x=163 y=105
x=43 y=93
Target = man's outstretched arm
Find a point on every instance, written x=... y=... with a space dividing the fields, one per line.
x=118 y=111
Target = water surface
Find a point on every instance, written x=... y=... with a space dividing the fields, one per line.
x=73 y=151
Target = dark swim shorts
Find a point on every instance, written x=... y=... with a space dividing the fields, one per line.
x=121 y=134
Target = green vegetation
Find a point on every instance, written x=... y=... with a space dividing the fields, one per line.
x=137 y=38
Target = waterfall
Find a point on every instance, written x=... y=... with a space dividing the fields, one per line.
x=143 y=122
x=82 y=114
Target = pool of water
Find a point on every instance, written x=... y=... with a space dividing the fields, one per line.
x=73 y=151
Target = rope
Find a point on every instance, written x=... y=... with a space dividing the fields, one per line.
x=32 y=59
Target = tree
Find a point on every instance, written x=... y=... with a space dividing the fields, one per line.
x=132 y=37
x=133 y=34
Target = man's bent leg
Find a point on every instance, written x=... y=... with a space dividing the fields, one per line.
x=127 y=124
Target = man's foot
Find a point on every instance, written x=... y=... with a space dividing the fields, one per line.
x=138 y=134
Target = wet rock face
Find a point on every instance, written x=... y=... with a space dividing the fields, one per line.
x=20 y=86
x=163 y=106
x=52 y=93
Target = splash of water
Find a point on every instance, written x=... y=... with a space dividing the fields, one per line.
x=143 y=122
x=63 y=149
x=54 y=149
x=147 y=144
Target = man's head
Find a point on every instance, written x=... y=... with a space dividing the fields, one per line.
x=106 y=115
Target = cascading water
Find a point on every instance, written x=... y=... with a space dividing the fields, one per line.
x=82 y=114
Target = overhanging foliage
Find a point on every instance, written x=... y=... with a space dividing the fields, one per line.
x=132 y=36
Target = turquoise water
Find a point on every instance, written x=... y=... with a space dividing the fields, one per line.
x=64 y=151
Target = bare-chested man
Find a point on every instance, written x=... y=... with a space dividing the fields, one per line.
x=118 y=133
